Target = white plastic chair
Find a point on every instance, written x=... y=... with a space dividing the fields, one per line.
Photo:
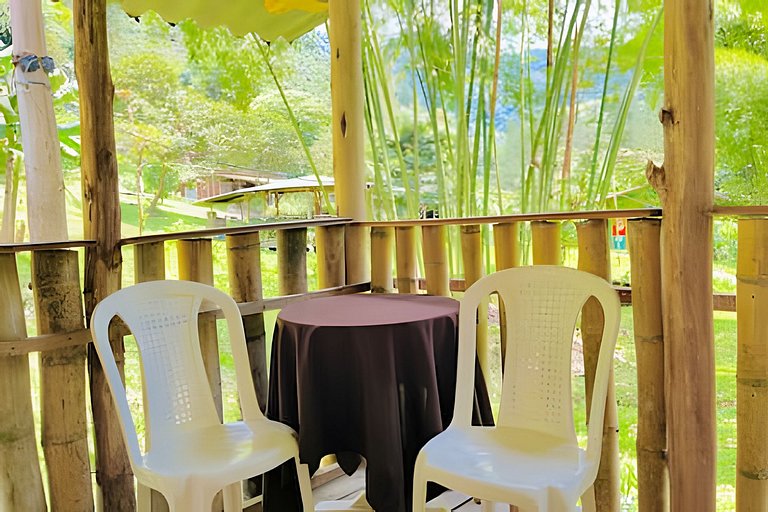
x=192 y=455
x=531 y=459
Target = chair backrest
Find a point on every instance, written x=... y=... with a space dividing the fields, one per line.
x=542 y=304
x=163 y=317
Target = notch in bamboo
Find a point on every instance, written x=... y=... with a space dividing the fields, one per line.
x=382 y=248
x=56 y=291
x=651 y=442
x=472 y=254
x=407 y=260
x=594 y=257
x=292 y=261
x=196 y=264
x=435 y=248
x=331 y=264
x=752 y=366
x=21 y=488
x=546 y=242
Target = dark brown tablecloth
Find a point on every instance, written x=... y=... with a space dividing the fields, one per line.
x=365 y=375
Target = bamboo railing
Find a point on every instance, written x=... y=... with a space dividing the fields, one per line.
x=406 y=256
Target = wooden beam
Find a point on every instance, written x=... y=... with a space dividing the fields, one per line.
x=101 y=222
x=685 y=185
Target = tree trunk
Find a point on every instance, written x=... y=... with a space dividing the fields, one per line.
x=101 y=220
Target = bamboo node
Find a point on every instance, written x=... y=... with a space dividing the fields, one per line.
x=753 y=383
x=760 y=474
x=656 y=339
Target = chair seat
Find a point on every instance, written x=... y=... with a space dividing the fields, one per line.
x=491 y=462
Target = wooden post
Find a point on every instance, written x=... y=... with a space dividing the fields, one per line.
x=472 y=254
x=292 y=261
x=348 y=129
x=752 y=366
x=685 y=185
x=56 y=290
x=46 y=208
x=245 y=285
x=21 y=486
x=196 y=264
x=546 y=242
x=652 y=471
x=407 y=260
x=101 y=221
x=331 y=270
x=435 y=248
x=149 y=265
x=594 y=257
x=382 y=247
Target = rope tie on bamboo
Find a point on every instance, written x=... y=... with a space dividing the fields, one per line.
x=30 y=63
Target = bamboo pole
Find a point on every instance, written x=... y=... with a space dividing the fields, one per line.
x=752 y=367
x=331 y=269
x=56 y=290
x=435 y=248
x=22 y=487
x=292 y=261
x=348 y=130
x=149 y=265
x=196 y=264
x=685 y=185
x=506 y=246
x=46 y=207
x=407 y=260
x=472 y=254
x=382 y=247
x=546 y=242
x=651 y=442
x=594 y=257
x=101 y=201
x=245 y=285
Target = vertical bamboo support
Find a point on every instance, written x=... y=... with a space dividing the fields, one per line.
x=645 y=260
x=685 y=184
x=752 y=366
x=594 y=257
x=22 y=487
x=382 y=247
x=196 y=264
x=356 y=251
x=546 y=242
x=472 y=254
x=245 y=285
x=331 y=270
x=292 y=261
x=407 y=260
x=435 y=248
x=56 y=290
x=149 y=265
x=101 y=222
x=506 y=246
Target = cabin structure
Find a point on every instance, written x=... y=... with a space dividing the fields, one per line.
x=671 y=254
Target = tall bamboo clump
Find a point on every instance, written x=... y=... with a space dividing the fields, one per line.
x=752 y=367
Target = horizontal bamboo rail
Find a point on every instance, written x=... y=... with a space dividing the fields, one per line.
x=45 y=246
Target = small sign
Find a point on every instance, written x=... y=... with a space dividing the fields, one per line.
x=619 y=234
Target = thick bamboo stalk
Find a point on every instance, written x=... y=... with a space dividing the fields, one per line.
x=56 y=290
x=651 y=442
x=22 y=487
x=686 y=187
x=472 y=254
x=331 y=269
x=101 y=201
x=357 y=249
x=196 y=264
x=435 y=248
x=506 y=244
x=46 y=208
x=149 y=265
x=245 y=285
x=546 y=242
x=594 y=258
x=382 y=248
x=752 y=367
x=407 y=260
x=292 y=261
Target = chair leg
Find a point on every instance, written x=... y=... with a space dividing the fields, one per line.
x=144 y=498
x=487 y=506
x=233 y=497
x=305 y=486
x=588 y=500
x=190 y=500
x=419 y=490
